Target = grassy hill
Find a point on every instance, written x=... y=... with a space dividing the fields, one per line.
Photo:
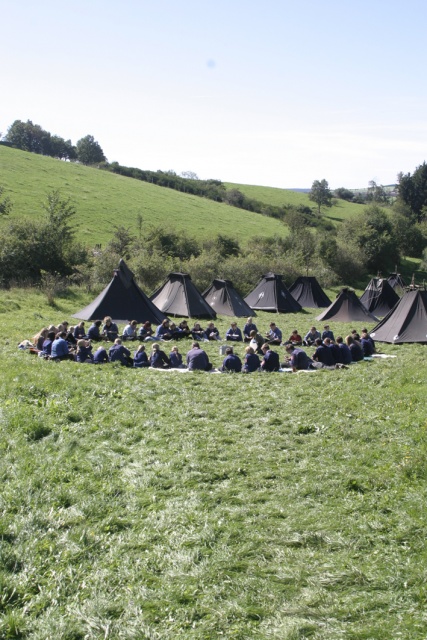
x=279 y=197
x=139 y=504
x=104 y=200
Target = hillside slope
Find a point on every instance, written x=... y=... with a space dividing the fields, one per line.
x=279 y=197
x=104 y=200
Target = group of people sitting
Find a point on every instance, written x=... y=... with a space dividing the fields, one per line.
x=65 y=342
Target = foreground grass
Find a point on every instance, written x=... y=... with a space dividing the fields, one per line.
x=137 y=504
x=104 y=200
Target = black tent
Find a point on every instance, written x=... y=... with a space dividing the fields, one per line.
x=178 y=296
x=406 y=322
x=123 y=300
x=396 y=281
x=347 y=308
x=379 y=297
x=307 y=291
x=224 y=299
x=271 y=294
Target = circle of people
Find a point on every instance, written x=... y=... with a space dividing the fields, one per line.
x=67 y=342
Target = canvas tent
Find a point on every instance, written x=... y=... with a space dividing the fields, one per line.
x=307 y=291
x=396 y=281
x=224 y=299
x=271 y=294
x=379 y=297
x=178 y=296
x=347 y=308
x=406 y=322
x=123 y=300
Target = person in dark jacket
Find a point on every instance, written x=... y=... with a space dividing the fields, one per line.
x=298 y=359
x=355 y=349
x=94 y=332
x=231 y=362
x=84 y=351
x=249 y=326
x=79 y=331
x=270 y=361
x=60 y=349
x=367 y=346
x=119 y=353
x=323 y=354
x=100 y=356
x=327 y=333
x=47 y=344
x=344 y=351
x=233 y=333
x=251 y=361
x=110 y=329
x=140 y=358
x=158 y=358
x=176 y=359
x=197 y=359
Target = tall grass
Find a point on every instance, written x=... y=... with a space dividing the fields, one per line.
x=137 y=504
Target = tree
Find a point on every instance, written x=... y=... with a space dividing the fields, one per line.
x=412 y=190
x=28 y=137
x=344 y=194
x=190 y=175
x=321 y=194
x=89 y=151
x=377 y=193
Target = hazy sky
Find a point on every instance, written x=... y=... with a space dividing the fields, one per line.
x=269 y=92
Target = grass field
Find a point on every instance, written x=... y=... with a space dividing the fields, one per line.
x=104 y=200
x=138 y=504
x=279 y=197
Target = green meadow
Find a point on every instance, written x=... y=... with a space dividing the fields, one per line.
x=342 y=210
x=105 y=200
x=138 y=504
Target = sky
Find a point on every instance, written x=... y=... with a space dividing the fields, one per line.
x=273 y=93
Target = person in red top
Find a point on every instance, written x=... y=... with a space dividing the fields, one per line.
x=294 y=338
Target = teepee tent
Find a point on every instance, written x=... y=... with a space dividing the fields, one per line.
x=406 y=322
x=396 y=281
x=347 y=308
x=379 y=297
x=123 y=300
x=271 y=294
x=224 y=299
x=307 y=291
x=178 y=296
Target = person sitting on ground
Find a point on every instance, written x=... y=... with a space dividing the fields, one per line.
x=233 y=333
x=345 y=353
x=355 y=336
x=39 y=338
x=47 y=344
x=60 y=349
x=163 y=331
x=158 y=358
x=256 y=341
x=72 y=341
x=327 y=333
x=270 y=361
x=119 y=353
x=311 y=337
x=79 y=331
x=84 y=351
x=110 y=329
x=274 y=335
x=146 y=332
x=249 y=326
x=366 y=345
x=251 y=361
x=336 y=351
x=298 y=359
x=140 y=358
x=355 y=349
x=100 y=356
x=323 y=355
x=212 y=332
x=175 y=331
x=130 y=331
x=367 y=336
x=197 y=359
x=231 y=362
x=294 y=338
x=184 y=328
x=197 y=332
x=176 y=359
x=94 y=333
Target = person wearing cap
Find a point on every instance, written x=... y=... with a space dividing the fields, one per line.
x=234 y=334
x=274 y=335
x=298 y=359
x=270 y=361
x=327 y=333
x=231 y=362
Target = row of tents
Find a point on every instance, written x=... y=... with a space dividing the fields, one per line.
x=123 y=299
